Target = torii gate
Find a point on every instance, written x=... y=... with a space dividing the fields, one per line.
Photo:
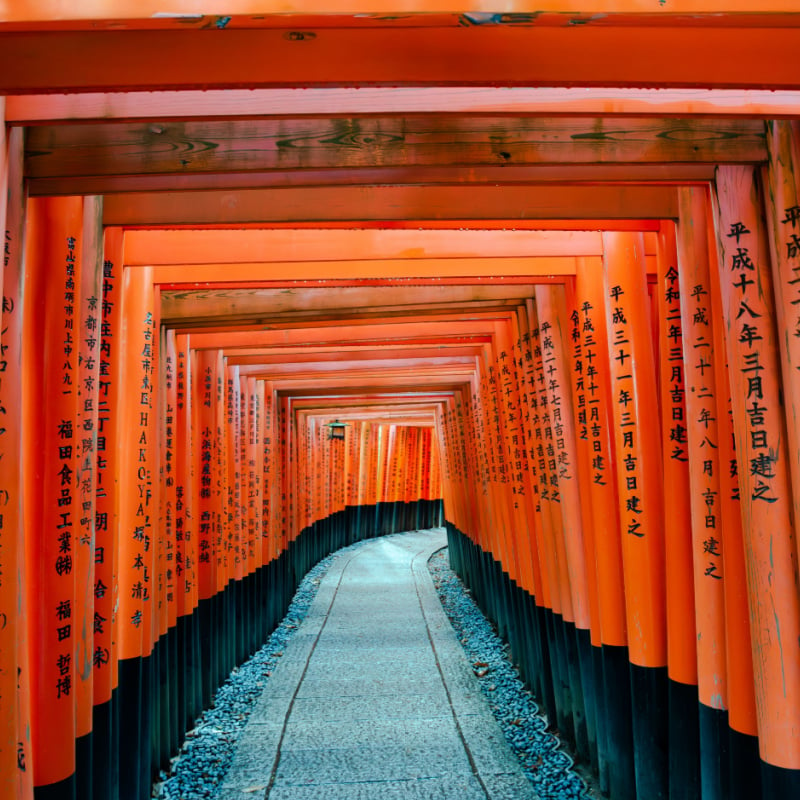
x=493 y=197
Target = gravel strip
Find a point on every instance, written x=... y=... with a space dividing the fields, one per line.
x=547 y=767
x=207 y=752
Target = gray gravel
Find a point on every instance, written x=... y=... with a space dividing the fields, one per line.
x=524 y=726
x=199 y=768
x=207 y=753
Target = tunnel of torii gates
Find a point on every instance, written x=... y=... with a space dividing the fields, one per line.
x=276 y=283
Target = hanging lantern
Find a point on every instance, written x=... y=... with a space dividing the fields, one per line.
x=336 y=429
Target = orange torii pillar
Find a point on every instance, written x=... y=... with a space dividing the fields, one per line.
x=190 y=687
x=518 y=569
x=738 y=759
x=640 y=488
x=136 y=433
x=764 y=459
x=698 y=318
x=594 y=435
x=684 y=729
x=554 y=551
x=560 y=436
x=16 y=764
x=56 y=564
x=206 y=501
x=538 y=602
x=169 y=675
x=106 y=651
x=743 y=760
x=783 y=206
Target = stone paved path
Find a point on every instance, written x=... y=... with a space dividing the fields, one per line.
x=373 y=698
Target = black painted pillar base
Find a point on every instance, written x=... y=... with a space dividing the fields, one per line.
x=63 y=790
x=778 y=783
x=619 y=723
x=650 y=731
x=84 y=770
x=684 y=742
x=744 y=767
x=714 y=775
x=130 y=710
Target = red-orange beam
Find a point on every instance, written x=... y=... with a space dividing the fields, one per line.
x=475 y=54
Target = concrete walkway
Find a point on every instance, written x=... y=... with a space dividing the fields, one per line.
x=373 y=698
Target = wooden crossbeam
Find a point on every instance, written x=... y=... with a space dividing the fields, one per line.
x=206 y=13
x=224 y=306
x=515 y=100
x=348 y=204
x=739 y=56
x=395 y=269
x=672 y=173
x=195 y=247
x=380 y=143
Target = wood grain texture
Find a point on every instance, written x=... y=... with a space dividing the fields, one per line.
x=676 y=174
x=383 y=142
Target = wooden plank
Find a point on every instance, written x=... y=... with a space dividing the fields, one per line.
x=382 y=142
x=677 y=174
x=211 y=303
x=209 y=274
x=516 y=100
x=391 y=203
x=155 y=247
x=188 y=11
x=498 y=55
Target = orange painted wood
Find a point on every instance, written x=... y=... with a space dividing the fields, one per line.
x=204 y=424
x=559 y=431
x=763 y=461
x=231 y=103
x=271 y=470
x=508 y=398
x=389 y=204
x=4 y=162
x=248 y=245
x=782 y=189
x=580 y=55
x=742 y=715
x=232 y=463
x=638 y=451
x=500 y=522
x=678 y=556
x=252 y=13
x=576 y=368
x=555 y=566
x=256 y=390
x=168 y=401
x=602 y=488
x=219 y=482
x=107 y=501
x=15 y=736
x=703 y=437
x=186 y=513
x=136 y=438
x=87 y=332
x=51 y=430
x=541 y=586
x=526 y=517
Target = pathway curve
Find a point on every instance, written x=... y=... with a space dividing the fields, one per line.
x=373 y=698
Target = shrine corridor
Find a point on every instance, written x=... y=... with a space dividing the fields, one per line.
x=287 y=278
